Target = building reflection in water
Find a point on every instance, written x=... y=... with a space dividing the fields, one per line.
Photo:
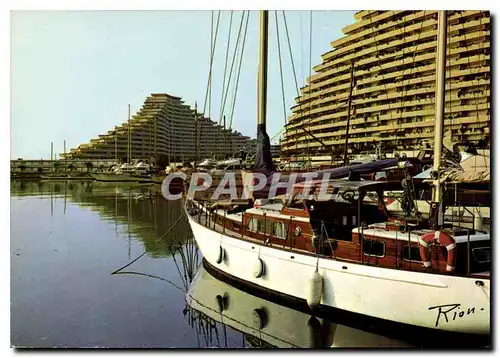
x=138 y=211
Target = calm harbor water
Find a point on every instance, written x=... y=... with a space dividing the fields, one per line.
x=112 y=265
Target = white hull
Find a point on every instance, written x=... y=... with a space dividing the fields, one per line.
x=389 y=294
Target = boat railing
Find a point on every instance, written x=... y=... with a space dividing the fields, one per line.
x=461 y=208
x=205 y=215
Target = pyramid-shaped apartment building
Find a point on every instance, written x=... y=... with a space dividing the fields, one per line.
x=163 y=126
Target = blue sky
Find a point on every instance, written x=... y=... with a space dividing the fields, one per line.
x=74 y=72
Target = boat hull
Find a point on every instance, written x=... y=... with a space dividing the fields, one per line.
x=441 y=302
x=121 y=178
x=62 y=178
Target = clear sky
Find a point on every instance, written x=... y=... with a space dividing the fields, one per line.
x=74 y=72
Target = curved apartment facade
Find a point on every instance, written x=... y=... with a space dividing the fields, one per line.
x=390 y=57
x=163 y=126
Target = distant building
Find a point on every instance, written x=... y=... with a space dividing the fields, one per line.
x=164 y=126
x=392 y=55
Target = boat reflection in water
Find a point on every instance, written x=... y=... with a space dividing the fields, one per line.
x=265 y=324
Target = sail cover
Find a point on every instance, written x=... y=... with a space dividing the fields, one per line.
x=263 y=162
x=470 y=169
x=332 y=173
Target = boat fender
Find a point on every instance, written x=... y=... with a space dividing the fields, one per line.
x=328 y=329
x=444 y=239
x=259 y=268
x=260 y=317
x=315 y=339
x=219 y=256
x=222 y=302
x=315 y=290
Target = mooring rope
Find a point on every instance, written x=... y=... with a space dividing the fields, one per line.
x=145 y=251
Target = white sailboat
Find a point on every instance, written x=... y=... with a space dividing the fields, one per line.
x=315 y=250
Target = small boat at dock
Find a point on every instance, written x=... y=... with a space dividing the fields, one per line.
x=136 y=171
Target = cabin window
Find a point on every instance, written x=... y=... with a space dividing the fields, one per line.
x=279 y=229
x=252 y=225
x=373 y=248
x=482 y=254
x=236 y=226
x=265 y=227
x=413 y=253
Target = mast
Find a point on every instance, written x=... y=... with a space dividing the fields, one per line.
x=195 y=134
x=170 y=139
x=155 y=141
x=346 y=159
x=263 y=161
x=262 y=80
x=129 y=153
x=225 y=139
x=437 y=192
x=182 y=151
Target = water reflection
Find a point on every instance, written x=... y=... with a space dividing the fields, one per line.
x=113 y=265
x=139 y=210
x=90 y=265
x=215 y=305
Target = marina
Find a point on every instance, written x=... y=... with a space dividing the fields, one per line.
x=360 y=219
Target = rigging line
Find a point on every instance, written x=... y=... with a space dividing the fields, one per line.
x=301 y=47
x=239 y=71
x=385 y=85
x=476 y=91
x=310 y=75
x=183 y=278
x=405 y=91
x=380 y=66
x=233 y=88
x=209 y=85
x=281 y=66
x=448 y=67
x=236 y=83
x=157 y=241
x=277 y=134
x=294 y=74
x=223 y=105
x=225 y=66
x=208 y=93
x=217 y=147
x=151 y=276
x=291 y=56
